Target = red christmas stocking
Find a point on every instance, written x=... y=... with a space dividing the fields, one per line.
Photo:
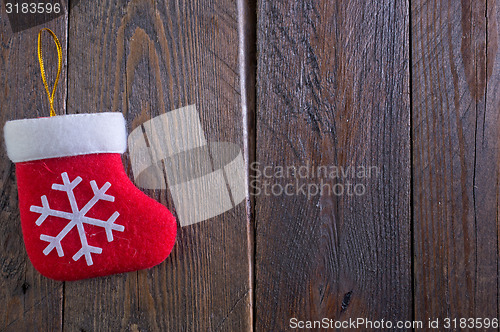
x=80 y=214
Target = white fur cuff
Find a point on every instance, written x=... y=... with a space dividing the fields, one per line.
x=65 y=135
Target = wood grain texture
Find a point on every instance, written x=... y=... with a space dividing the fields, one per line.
x=145 y=58
x=332 y=90
x=28 y=300
x=455 y=84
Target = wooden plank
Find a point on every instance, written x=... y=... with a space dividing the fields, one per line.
x=145 y=58
x=333 y=90
x=29 y=301
x=455 y=78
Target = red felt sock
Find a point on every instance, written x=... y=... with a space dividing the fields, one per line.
x=80 y=214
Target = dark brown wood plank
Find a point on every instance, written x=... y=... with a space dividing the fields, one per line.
x=333 y=90
x=29 y=301
x=455 y=78
x=146 y=58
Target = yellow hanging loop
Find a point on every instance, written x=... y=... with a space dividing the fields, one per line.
x=42 y=69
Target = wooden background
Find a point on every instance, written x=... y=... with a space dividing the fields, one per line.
x=408 y=88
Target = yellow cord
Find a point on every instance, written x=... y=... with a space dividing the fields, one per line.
x=42 y=69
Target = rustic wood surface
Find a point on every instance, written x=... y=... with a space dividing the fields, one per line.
x=145 y=58
x=455 y=128
x=342 y=100
x=408 y=89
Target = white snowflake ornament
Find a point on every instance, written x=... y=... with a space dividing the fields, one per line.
x=77 y=218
